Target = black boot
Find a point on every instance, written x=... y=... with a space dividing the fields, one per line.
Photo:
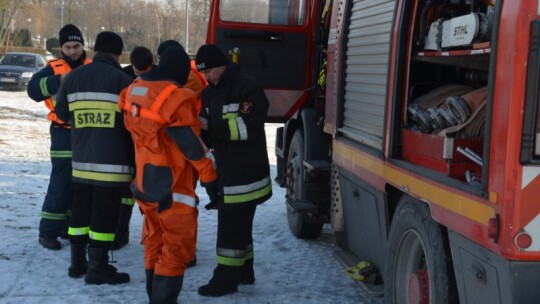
x=50 y=242
x=192 y=262
x=224 y=281
x=79 y=264
x=99 y=271
x=248 y=274
x=121 y=237
x=149 y=280
x=165 y=290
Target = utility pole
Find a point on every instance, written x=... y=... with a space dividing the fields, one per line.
x=62 y=14
x=158 y=29
x=187 y=27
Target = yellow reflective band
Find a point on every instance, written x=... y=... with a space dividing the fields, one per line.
x=129 y=201
x=230 y=261
x=233 y=128
x=93 y=105
x=43 y=87
x=94 y=119
x=241 y=198
x=54 y=216
x=99 y=236
x=347 y=157
x=230 y=116
x=250 y=255
x=61 y=154
x=104 y=177
x=78 y=231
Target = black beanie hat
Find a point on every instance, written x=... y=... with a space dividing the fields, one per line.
x=167 y=44
x=210 y=56
x=109 y=42
x=70 y=33
x=175 y=64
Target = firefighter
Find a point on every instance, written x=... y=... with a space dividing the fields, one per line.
x=142 y=61
x=43 y=87
x=103 y=158
x=196 y=82
x=235 y=107
x=162 y=118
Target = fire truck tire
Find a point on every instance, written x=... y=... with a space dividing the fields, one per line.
x=418 y=261
x=298 y=222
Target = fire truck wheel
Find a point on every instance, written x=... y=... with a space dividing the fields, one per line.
x=418 y=261
x=298 y=222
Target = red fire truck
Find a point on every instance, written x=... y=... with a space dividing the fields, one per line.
x=412 y=127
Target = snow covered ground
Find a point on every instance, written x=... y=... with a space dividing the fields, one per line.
x=288 y=270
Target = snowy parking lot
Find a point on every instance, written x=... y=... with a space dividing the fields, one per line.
x=288 y=270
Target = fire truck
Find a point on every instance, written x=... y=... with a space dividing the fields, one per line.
x=411 y=126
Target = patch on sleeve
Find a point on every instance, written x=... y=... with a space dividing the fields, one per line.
x=246 y=107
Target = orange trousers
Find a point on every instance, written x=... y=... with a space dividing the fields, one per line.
x=169 y=237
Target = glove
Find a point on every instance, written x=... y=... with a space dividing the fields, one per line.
x=215 y=196
x=210 y=206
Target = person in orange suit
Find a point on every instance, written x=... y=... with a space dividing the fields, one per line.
x=162 y=117
x=195 y=82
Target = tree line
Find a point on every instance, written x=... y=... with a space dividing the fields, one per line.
x=139 y=22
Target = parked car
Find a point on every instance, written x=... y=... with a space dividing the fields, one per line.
x=16 y=69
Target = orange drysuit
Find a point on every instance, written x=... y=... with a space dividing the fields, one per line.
x=162 y=119
x=196 y=82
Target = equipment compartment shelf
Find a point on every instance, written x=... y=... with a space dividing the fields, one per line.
x=453 y=53
x=476 y=58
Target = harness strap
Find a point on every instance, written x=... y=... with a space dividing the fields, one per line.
x=59 y=66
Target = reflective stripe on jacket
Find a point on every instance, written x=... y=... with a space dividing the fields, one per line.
x=103 y=152
x=236 y=111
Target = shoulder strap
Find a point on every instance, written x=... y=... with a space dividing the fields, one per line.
x=160 y=99
x=59 y=66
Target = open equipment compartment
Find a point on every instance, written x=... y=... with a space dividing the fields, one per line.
x=444 y=124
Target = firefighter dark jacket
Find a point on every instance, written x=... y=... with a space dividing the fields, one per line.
x=236 y=110
x=102 y=147
x=45 y=83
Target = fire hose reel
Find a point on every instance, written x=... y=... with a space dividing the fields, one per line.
x=453 y=111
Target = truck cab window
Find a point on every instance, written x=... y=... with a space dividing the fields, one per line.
x=275 y=12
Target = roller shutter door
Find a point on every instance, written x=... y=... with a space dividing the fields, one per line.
x=366 y=73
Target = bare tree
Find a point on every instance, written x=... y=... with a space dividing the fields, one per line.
x=8 y=10
x=139 y=22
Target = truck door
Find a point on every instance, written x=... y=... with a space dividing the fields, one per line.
x=270 y=39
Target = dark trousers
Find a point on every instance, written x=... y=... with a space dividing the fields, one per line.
x=59 y=197
x=95 y=212
x=235 y=227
